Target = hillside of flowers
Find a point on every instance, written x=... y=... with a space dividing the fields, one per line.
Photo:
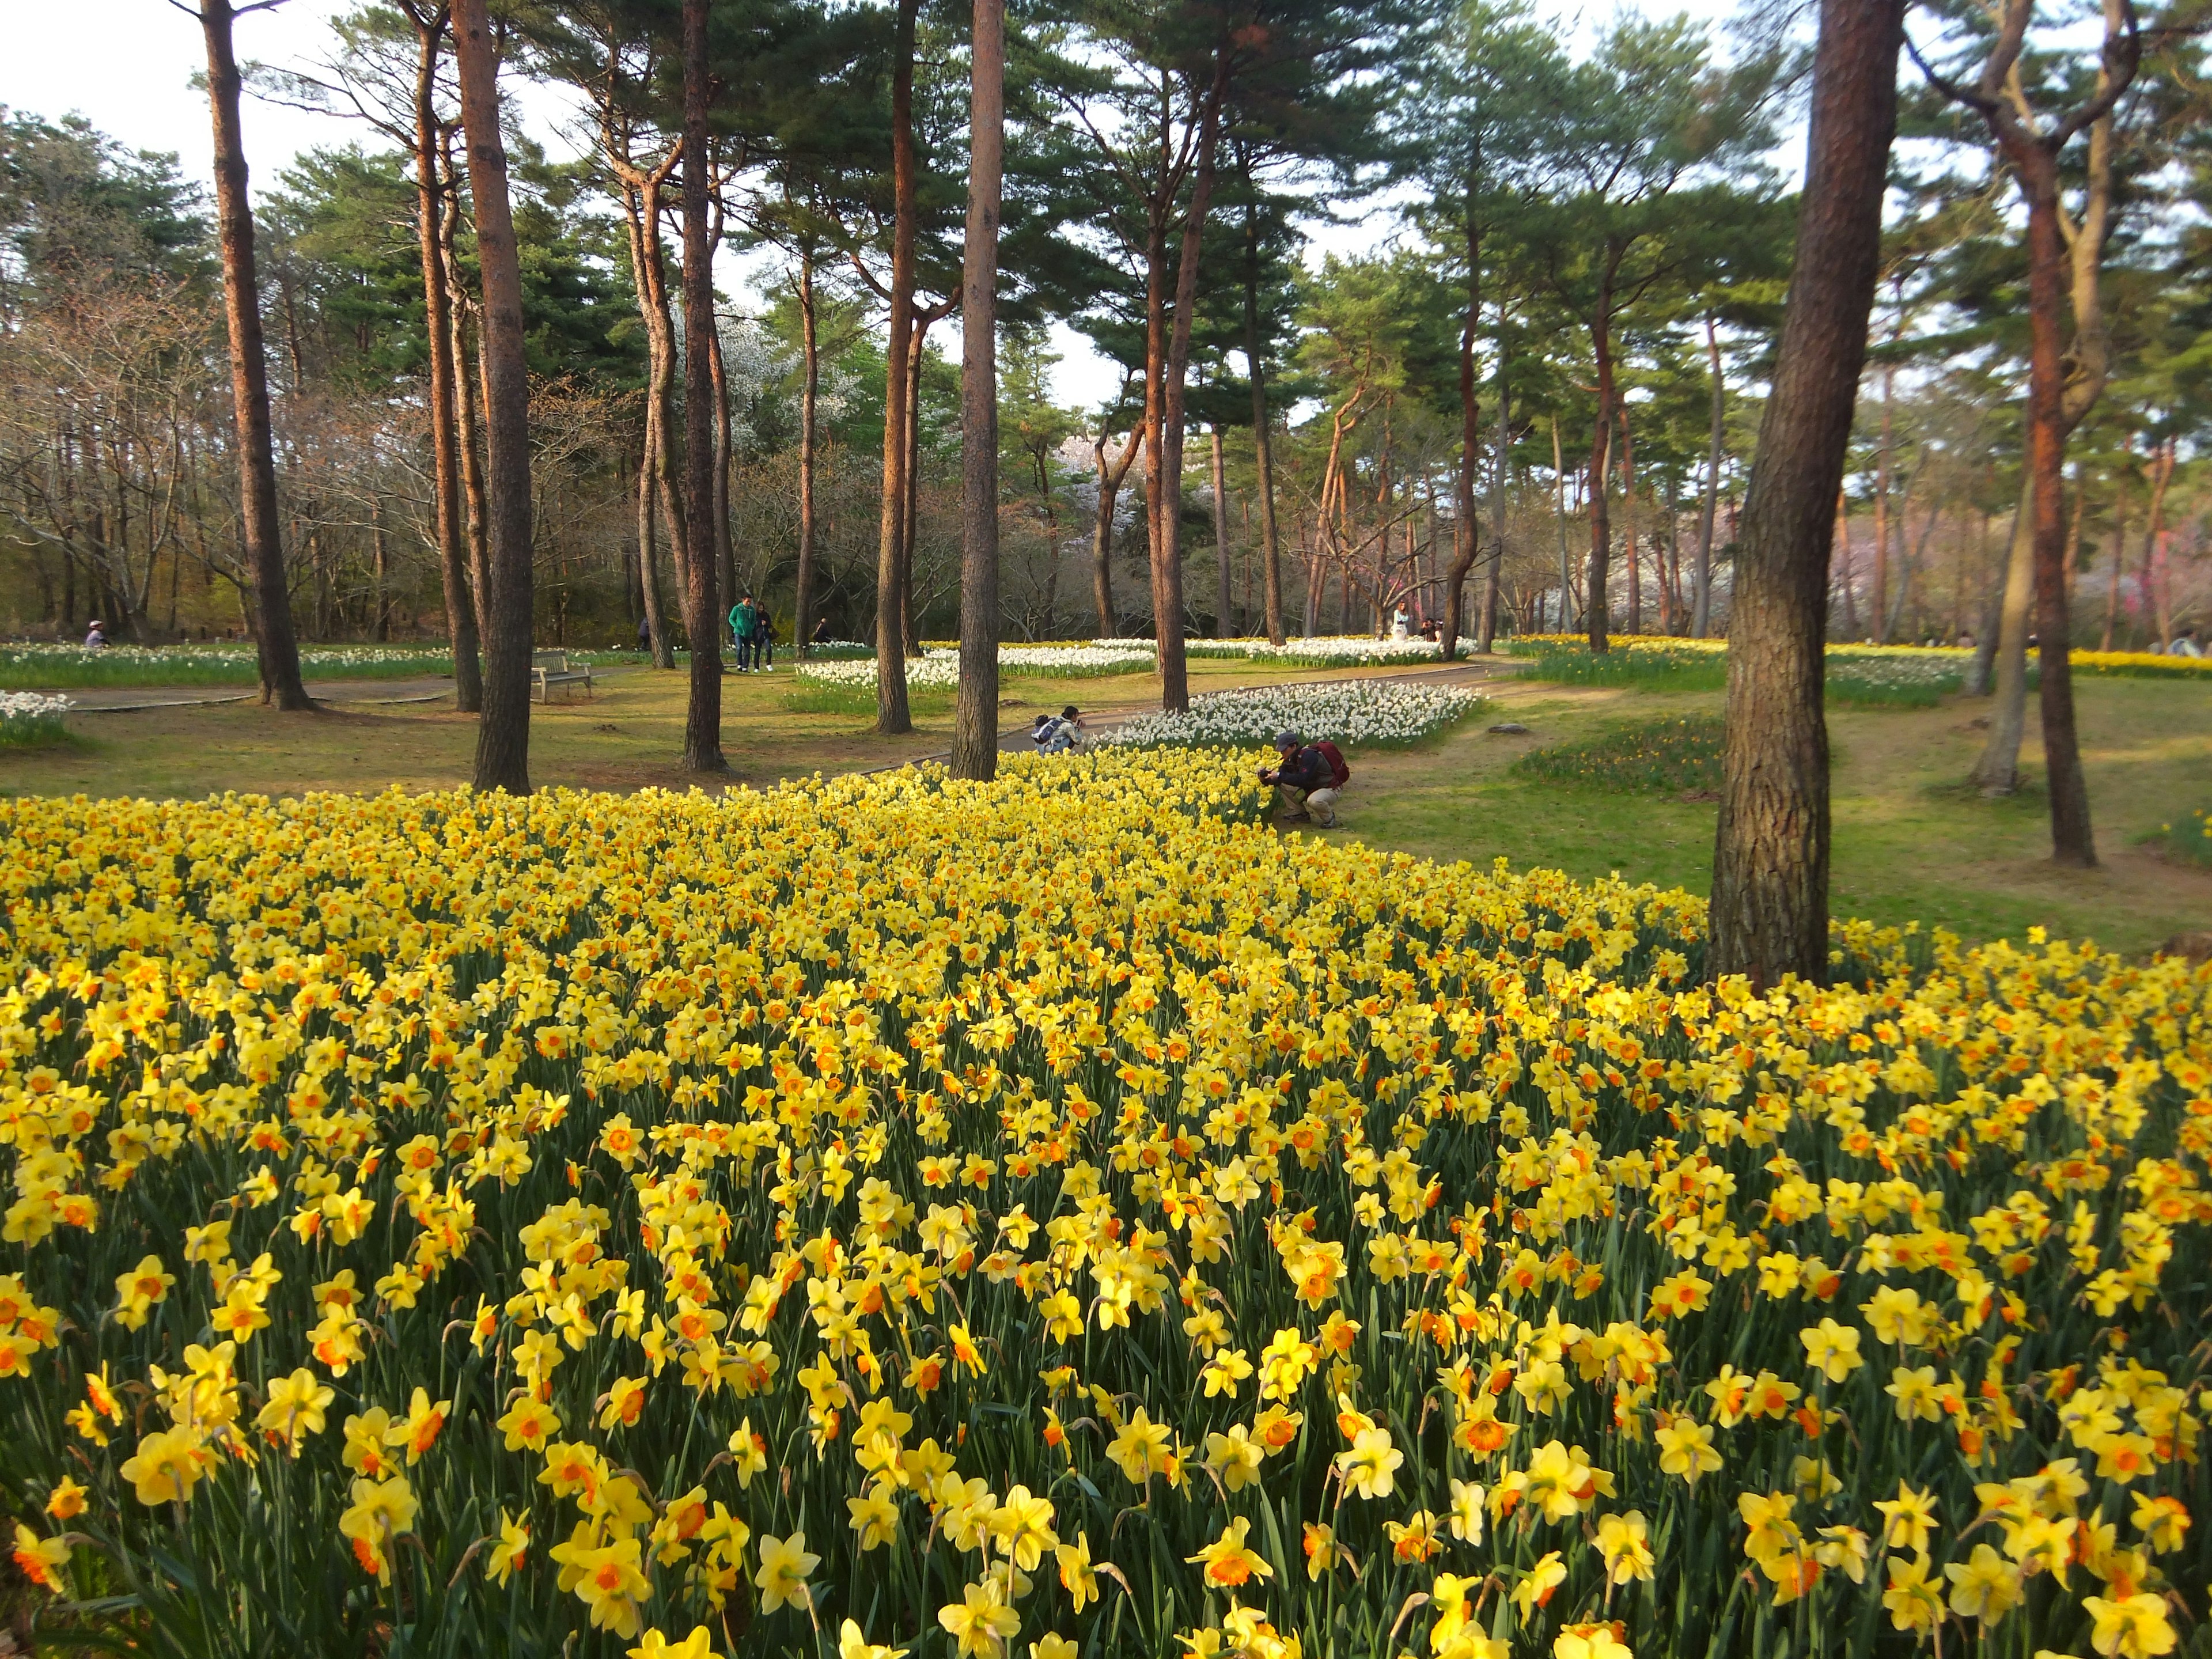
x=1062 y=1216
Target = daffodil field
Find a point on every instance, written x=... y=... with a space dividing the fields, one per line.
x=1062 y=1216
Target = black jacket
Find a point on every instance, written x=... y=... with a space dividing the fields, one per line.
x=1308 y=769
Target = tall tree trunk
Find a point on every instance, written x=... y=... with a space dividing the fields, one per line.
x=1559 y=519
x=1470 y=437
x=1263 y=447
x=702 y=609
x=249 y=373
x=467 y=388
x=433 y=183
x=1225 y=603
x=1111 y=477
x=726 y=552
x=2156 y=602
x=2119 y=556
x=1879 y=600
x=2072 y=839
x=379 y=543
x=1494 y=576
x=1702 y=622
x=503 y=734
x=648 y=561
x=809 y=400
x=1769 y=904
x=1996 y=772
x=910 y=536
x=1628 y=525
x=976 y=712
x=1596 y=612
x=1165 y=461
x=891 y=715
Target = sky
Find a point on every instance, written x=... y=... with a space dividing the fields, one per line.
x=136 y=85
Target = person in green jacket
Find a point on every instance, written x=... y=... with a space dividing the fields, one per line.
x=744 y=617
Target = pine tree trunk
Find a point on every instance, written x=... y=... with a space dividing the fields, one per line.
x=975 y=713
x=649 y=560
x=891 y=715
x=1701 y=622
x=1769 y=904
x=503 y=734
x=809 y=400
x=1493 y=577
x=432 y=184
x=1470 y=439
x=1263 y=448
x=1596 y=612
x=1224 y=602
x=1166 y=461
x=2072 y=840
x=249 y=375
x=1996 y=772
x=703 y=719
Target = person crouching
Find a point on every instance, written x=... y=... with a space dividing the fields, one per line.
x=1305 y=782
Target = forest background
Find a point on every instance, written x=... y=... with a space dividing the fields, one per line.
x=1581 y=232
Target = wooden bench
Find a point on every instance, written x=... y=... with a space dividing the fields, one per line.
x=550 y=668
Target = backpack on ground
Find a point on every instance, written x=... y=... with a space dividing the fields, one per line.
x=1339 y=773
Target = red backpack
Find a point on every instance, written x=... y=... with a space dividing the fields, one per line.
x=1340 y=774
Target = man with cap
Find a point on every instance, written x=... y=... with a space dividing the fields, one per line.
x=1306 y=780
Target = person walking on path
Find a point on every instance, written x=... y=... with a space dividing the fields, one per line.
x=763 y=639
x=744 y=616
x=1308 y=781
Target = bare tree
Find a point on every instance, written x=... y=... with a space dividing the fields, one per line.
x=1769 y=904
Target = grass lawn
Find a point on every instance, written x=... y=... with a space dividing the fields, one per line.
x=627 y=736
x=1910 y=844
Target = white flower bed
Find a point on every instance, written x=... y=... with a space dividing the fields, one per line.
x=1328 y=650
x=1349 y=711
x=942 y=668
x=225 y=655
x=31 y=717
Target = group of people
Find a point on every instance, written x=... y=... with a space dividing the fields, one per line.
x=752 y=632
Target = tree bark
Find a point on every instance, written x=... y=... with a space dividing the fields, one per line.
x=2072 y=839
x=1596 y=613
x=1702 y=621
x=1111 y=477
x=1493 y=578
x=249 y=375
x=702 y=721
x=1263 y=448
x=1224 y=602
x=648 y=561
x=891 y=713
x=432 y=183
x=503 y=734
x=1470 y=439
x=809 y=400
x=976 y=711
x=1769 y=904
x=1629 y=544
x=1165 y=461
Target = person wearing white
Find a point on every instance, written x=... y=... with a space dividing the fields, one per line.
x=1401 y=625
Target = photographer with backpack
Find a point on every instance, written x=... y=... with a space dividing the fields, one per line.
x=1308 y=779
